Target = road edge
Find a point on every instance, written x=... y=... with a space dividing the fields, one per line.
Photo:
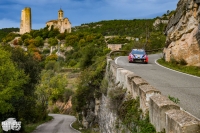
x=175 y=70
x=72 y=127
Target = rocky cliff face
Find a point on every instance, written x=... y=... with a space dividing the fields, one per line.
x=183 y=33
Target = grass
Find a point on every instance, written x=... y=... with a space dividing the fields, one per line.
x=31 y=127
x=193 y=70
x=173 y=99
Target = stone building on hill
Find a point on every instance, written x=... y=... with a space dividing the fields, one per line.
x=160 y=21
x=63 y=24
x=25 y=24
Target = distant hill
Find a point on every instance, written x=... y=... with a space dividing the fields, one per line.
x=135 y=27
x=143 y=29
x=5 y=31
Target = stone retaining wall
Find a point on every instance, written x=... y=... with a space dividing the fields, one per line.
x=164 y=114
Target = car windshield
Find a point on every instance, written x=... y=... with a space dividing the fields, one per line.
x=137 y=52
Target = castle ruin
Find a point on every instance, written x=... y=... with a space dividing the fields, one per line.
x=25 y=25
x=62 y=24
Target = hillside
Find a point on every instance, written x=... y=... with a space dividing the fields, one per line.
x=135 y=27
x=6 y=31
x=142 y=29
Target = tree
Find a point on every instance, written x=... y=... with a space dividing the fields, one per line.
x=37 y=56
x=53 y=41
x=12 y=79
x=26 y=36
x=53 y=33
x=20 y=41
x=32 y=48
x=71 y=40
x=61 y=36
x=37 y=33
x=25 y=106
x=39 y=41
x=52 y=57
x=51 y=87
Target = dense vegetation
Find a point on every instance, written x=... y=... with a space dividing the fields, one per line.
x=5 y=31
x=130 y=115
x=19 y=77
x=148 y=36
x=135 y=28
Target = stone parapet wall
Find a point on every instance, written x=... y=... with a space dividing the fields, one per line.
x=163 y=113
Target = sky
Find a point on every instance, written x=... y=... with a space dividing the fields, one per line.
x=81 y=11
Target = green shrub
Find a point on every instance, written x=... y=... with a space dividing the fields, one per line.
x=50 y=65
x=174 y=61
x=104 y=86
x=72 y=62
x=57 y=67
x=46 y=51
x=67 y=94
x=173 y=99
x=182 y=62
x=117 y=93
x=131 y=116
x=55 y=109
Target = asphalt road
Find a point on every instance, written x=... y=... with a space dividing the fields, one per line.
x=184 y=87
x=60 y=124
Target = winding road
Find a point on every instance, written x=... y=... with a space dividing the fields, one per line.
x=60 y=124
x=182 y=86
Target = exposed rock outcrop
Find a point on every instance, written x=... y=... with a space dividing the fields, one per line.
x=183 y=33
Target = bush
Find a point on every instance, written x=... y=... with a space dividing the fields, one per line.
x=72 y=63
x=174 y=61
x=173 y=99
x=130 y=115
x=50 y=65
x=46 y=51
x=117 y=93
x=67 y=94
x=182 y=62
x=104 y=86
x=52 y=57
x=57 y=67
x=55 y=109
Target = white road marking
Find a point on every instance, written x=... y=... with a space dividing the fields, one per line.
x=117 y=59
x=175 y=70
x=72 y=127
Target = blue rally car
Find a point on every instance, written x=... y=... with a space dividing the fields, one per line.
x=138 y=55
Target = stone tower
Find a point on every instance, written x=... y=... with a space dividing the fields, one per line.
x=60 y=14
x=25 y=25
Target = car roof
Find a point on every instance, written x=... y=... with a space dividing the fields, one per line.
x=138 y=49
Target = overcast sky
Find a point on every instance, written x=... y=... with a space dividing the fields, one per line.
x=81 y=11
